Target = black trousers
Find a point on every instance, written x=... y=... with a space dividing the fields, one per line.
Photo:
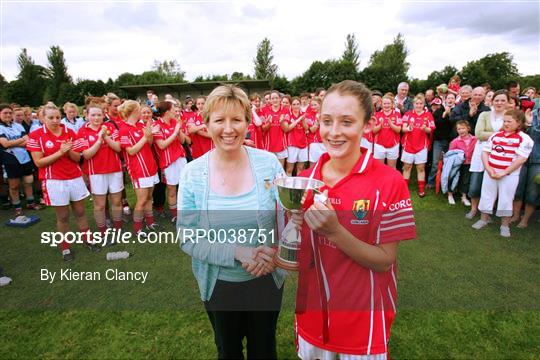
x=158 y=194
x=247 y=309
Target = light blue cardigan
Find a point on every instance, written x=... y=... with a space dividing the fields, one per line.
x=193 y=192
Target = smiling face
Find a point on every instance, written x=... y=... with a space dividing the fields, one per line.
x=6 y=115
x=500 y=102
x=387 y=104
x=71 y=112
x=341 y=126
x=95 y=116
x=200 y=103
x=146 y=114
x=275 y=100
x=227 y=125
x=418 y=106
x=295 y=106
x=450 y=100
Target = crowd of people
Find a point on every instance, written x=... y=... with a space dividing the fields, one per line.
x=486 y=141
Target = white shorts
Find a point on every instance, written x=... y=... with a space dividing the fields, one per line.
x=147 y=182
x=418 y=158
x=62 y=192
x=365 y=143
x=281 y=154
x=315 y=151
x=297 y=154
x=171 y=174
x=502 y=190
x=101 y=184
x=381 y=153
x=308 y=351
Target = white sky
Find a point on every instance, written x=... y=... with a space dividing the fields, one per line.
x=103 y=39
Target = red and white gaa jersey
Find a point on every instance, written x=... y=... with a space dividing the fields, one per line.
x=311 y=119
x=174 y=151
x=106 y=160
x=504 y=148
x=200 y=145
x=417 y=139
x=256 y=133
x=342 y=306
x=387 y=137
x=141 y=164
x=297 y=136
x=44 y=141
x=275 y=140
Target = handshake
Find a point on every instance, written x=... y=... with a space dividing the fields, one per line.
x=258 y=261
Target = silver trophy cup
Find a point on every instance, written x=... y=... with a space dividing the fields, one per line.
x=291 y=190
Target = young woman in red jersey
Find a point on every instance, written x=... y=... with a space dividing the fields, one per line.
x=99 y=144
x=201 y=142
x=254 y=128
x=136 y=140
x=295 y=129
x=387 y=128
x=417 y=125
x=168 y=139
x=316 y=147
x=347 y=294
x=274 y=137
x=51 y=147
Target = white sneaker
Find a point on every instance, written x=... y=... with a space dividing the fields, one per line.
x=505 y=231
x=465 y=201
x=470 y=215
x=126 y=210
x=479 y=224
x=451 y=200
x=4 y=280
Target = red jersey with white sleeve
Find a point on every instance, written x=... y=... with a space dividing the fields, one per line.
x=174 y=151
x=256 y=133
x=105 y=160
x=200 y=145
x=387 y=137
x=141 y=164
x=343 y=306
x=275 y=140
x=297 y=136
x=311 y=119
x=417 y=139
x=44 y=141
x=504 y=148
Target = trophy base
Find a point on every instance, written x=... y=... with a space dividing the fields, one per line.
x=284 y=264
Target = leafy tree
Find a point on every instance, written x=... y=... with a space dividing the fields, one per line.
x=351 y=53
x=170 y=70
x=495 y=69
x=30 y=85
x=264 y=66
x=3 y=86
x=324 y=74
x=282 y=84
x=240 y=76
x=530 y=80
x=387 y=67
x=57 y=75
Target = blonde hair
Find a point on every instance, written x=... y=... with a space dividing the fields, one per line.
x=420 y=97
x=110 y=97
x=49 y=106
x=389 y=96
x=69 y=105
x=227 y=97
x=127 y=108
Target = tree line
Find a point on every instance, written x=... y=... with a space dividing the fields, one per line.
x=386 y=68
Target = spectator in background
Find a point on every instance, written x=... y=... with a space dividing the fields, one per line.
x=304 y=102
x=149 y=94
x=465 y=93
x=513 y=88
x=112 y=114
x=402 y=101
x=442 y=91
x=18 y=115
x=72 y=120
x=441 y=136
x=489 y=98
x=471 y=108
x=430 y=95
x=487 y=87
x=466 y=142
x=528 y=100
x=321 y=92
x=376 y=98
x=454 y=85
x=488 y=123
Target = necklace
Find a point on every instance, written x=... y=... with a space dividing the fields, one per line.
x=224 y=179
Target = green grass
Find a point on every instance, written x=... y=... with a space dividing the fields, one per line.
x=462 y=294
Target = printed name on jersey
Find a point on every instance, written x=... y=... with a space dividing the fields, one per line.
x=360 y=210
x=400 y=205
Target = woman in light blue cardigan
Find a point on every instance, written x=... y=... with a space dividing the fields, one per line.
x=229 y=191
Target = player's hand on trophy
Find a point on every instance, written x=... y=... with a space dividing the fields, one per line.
x=321 y=217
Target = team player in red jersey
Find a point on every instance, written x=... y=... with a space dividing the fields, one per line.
x=315 y=145
x=346 y=298
x=255 y=126
x=136 y=140
x=417 y=125
x=201 y=142
x=503 y=155
x=51 y=147
x=387 y=128
x=295 y=129
x=99 y=144
x=168 y=139
x=274 y=138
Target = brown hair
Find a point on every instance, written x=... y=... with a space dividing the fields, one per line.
x=464 y=123
x=162 y=107
x=358 y=91
x=517 y=115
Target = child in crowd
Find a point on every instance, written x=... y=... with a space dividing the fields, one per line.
x=466 y=142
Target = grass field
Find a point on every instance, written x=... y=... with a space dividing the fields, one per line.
x=462 y=294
